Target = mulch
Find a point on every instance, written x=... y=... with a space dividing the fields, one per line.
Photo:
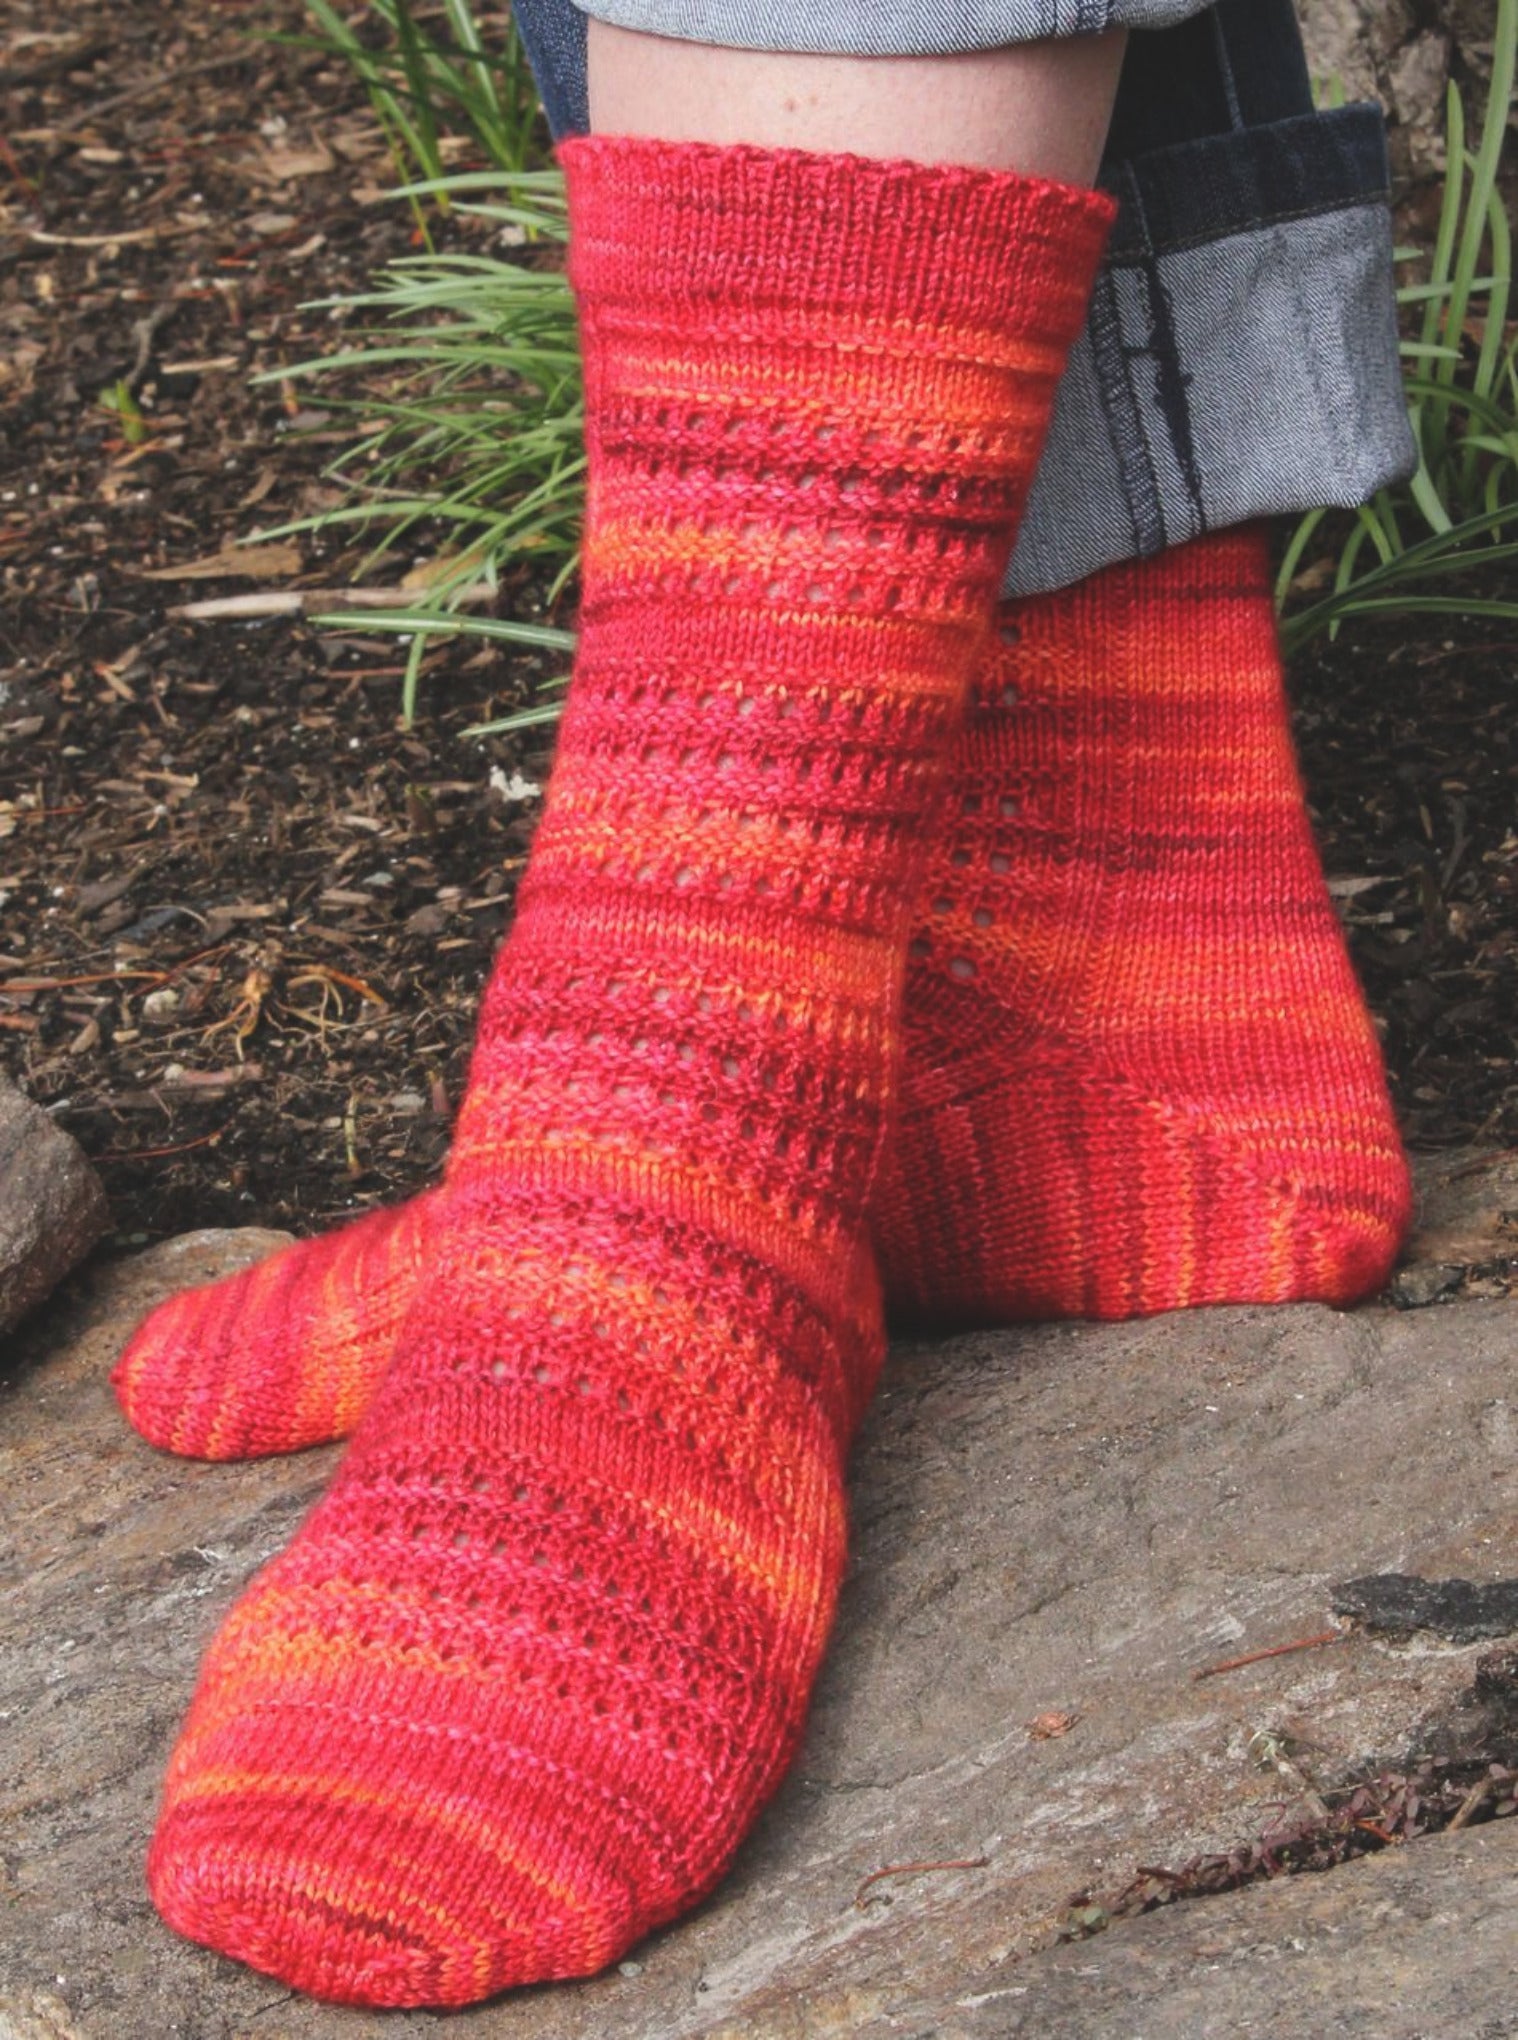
x=244 y=912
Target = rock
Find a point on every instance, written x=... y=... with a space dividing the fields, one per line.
x=40 y=2016
x=1382 y=50
x=1423 y=1283
x=1415 y=1944
x=52 y=1206
x=1056 y=1526
x=1467 y=1209
x=1349 y=43
x=185 y=1262
x=1400 y=1604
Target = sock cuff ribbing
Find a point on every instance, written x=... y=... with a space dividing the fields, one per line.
x=691 y=223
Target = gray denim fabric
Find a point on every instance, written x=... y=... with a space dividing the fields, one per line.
x=884 y=28
x=1240 y=359
x=1291 y=396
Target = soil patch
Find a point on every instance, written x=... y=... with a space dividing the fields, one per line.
x=244 y=914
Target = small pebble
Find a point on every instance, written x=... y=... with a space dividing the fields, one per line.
x=1423 y=1283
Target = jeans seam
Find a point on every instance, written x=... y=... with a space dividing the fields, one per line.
x=1225 y=72
x=1171 y=380
x=1124 y=420
x=1175 y=245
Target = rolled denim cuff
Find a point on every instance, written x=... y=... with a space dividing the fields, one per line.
x=1240 y=358
x=884 y=28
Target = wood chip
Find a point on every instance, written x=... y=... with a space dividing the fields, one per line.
x=271 y=562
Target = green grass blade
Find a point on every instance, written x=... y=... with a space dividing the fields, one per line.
x=1296 y=547
x=435 y=623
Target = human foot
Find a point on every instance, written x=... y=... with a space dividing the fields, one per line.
x=282 y=1355
x=1140 y=1074
x=1094 y=1123
x=516 y=1691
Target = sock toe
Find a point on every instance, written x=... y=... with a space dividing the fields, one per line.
x=283 y=1355
x=344 y=1901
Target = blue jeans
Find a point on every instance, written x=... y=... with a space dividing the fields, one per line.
x=1240 y=358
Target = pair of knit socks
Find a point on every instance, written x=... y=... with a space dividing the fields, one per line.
x=516 y=1691
x=1138 y=1073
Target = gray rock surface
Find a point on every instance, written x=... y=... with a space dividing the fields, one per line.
x=1055 y=1529
x=1414 y=1944
x=52 y=1207
x=1467 y=1209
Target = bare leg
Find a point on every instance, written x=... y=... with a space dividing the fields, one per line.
x=1041 y=108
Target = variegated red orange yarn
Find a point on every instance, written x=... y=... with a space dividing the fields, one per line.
x=1138 y=1075
x=1140 y=1071
x=522 y=1682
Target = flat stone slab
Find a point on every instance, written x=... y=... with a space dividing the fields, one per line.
x=1055 y=1531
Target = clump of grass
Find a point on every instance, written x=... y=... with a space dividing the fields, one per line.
x=1460 y=509
x=470 y=373
x=439 y=71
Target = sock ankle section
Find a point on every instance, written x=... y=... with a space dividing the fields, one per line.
x=1140 y=1072
x=522 y=1682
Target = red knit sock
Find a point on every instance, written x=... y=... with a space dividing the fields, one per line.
x=1140 y=1073
x=521 y=1683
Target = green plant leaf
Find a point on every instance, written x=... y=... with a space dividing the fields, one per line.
x=1462 y=389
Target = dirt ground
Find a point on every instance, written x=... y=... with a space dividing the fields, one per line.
x=244 y=913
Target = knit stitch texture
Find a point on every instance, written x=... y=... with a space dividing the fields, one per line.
x=282 y=1355
x=1140 y=1073
x=520 y=1685
x=1058 y=818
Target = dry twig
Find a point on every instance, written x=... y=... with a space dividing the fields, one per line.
x=310 y=601
x=1255 y=1657
x=916 y=1870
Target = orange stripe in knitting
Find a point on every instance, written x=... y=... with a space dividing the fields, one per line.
x=747 y=855
x=1247 y=987
x=842 y=341
x=461 y=1822
x=801 y=1243
x=817 y=967
x=810 y=567
x=292 y=1639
